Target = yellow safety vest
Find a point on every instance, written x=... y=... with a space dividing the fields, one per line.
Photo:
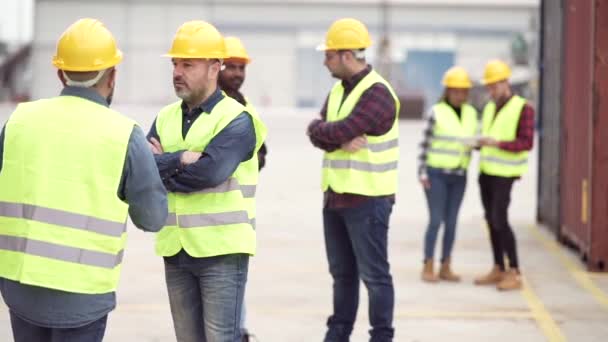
x=452 y=137
x=502 y=126
x=371 y=171
x=62 y=225
x=213 y=221
x=249 y=170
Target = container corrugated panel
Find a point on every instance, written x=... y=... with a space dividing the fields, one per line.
x=598 y=254
x=577 y=115
x=550 y=115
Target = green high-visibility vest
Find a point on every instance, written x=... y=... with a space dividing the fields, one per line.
x=62 y=225
x=502 y=126
x=215 y=221
x=249 y=170
x=452 y=137
x=371 y=171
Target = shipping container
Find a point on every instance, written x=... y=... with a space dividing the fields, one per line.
x=549 y=114
x=598 y=250
x=584 y=163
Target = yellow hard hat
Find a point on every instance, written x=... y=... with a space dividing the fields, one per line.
x=496 y=70
x=86 y=45
x=346 y=34
x=197 y=39
x=236 y=49
x=456 y=77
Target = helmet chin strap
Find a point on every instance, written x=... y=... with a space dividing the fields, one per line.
x=84 y=84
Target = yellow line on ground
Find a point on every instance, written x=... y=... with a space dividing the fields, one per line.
x=466 y=314
x=580 y=276
x=598 y=275
x=424 y=314
x=543 y=318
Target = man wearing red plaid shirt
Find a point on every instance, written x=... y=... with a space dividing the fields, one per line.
x=508 y=135
x=359 y=133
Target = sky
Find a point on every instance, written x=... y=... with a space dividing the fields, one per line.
x=16 y=18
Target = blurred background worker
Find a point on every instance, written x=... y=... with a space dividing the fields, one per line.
x=359 y=133
x=508 y=135
x=231 y=79
x=206 y=151
x=63 y=217
x=443 y=162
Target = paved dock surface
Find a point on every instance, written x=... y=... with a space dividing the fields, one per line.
x=289 y=289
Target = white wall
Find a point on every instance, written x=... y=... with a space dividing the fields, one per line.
x=16 y=21
x=271 y=32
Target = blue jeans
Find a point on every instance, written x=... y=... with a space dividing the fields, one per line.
x=23 y=331
x=205 y=295
x=443 y=199
x=356 y=244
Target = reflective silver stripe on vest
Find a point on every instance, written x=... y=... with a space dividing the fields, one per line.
x=60 y=252
x=383 y=146
x=171 y=220
x=216 y=219
x=359 y=165
x=248 y=191
x=62 y=218
x=252 y=222
x=504 y=161
x=453 y=138
x=231 y=184
x=444 y=151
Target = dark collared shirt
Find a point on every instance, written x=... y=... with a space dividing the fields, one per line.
x=374 y=115
x=143 y=190
x=233 y=145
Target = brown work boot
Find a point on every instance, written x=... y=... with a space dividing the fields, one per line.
x=445 y=272
x=511 y=280
x=492 y=278
x=427 y=272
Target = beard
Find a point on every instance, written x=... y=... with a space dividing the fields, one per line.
x=231 y=84
x=182 y=91
x=183 y=94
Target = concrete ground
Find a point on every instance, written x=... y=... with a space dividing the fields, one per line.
x=289 y=289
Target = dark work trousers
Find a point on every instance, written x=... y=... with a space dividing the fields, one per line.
x=495 y=197
x=356 y=241
x=24 y=331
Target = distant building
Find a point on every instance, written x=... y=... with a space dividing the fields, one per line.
x=426 y=37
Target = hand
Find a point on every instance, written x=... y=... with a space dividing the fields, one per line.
x=190 y=157
x=355 y=144
x=426 y=183
x=487 y=141
x=155 y=146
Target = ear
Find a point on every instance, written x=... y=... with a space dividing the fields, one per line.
x=61 y=77
x=214 y=69
x=112 y=78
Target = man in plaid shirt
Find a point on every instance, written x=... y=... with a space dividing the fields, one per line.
x=358 y=131
x=508 y=135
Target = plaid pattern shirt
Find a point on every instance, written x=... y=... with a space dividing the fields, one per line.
x=427 y=136
x=524 y=140
x=373 y=115
x=525 y=131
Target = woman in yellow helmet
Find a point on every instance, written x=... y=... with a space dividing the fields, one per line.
x=443 y=162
